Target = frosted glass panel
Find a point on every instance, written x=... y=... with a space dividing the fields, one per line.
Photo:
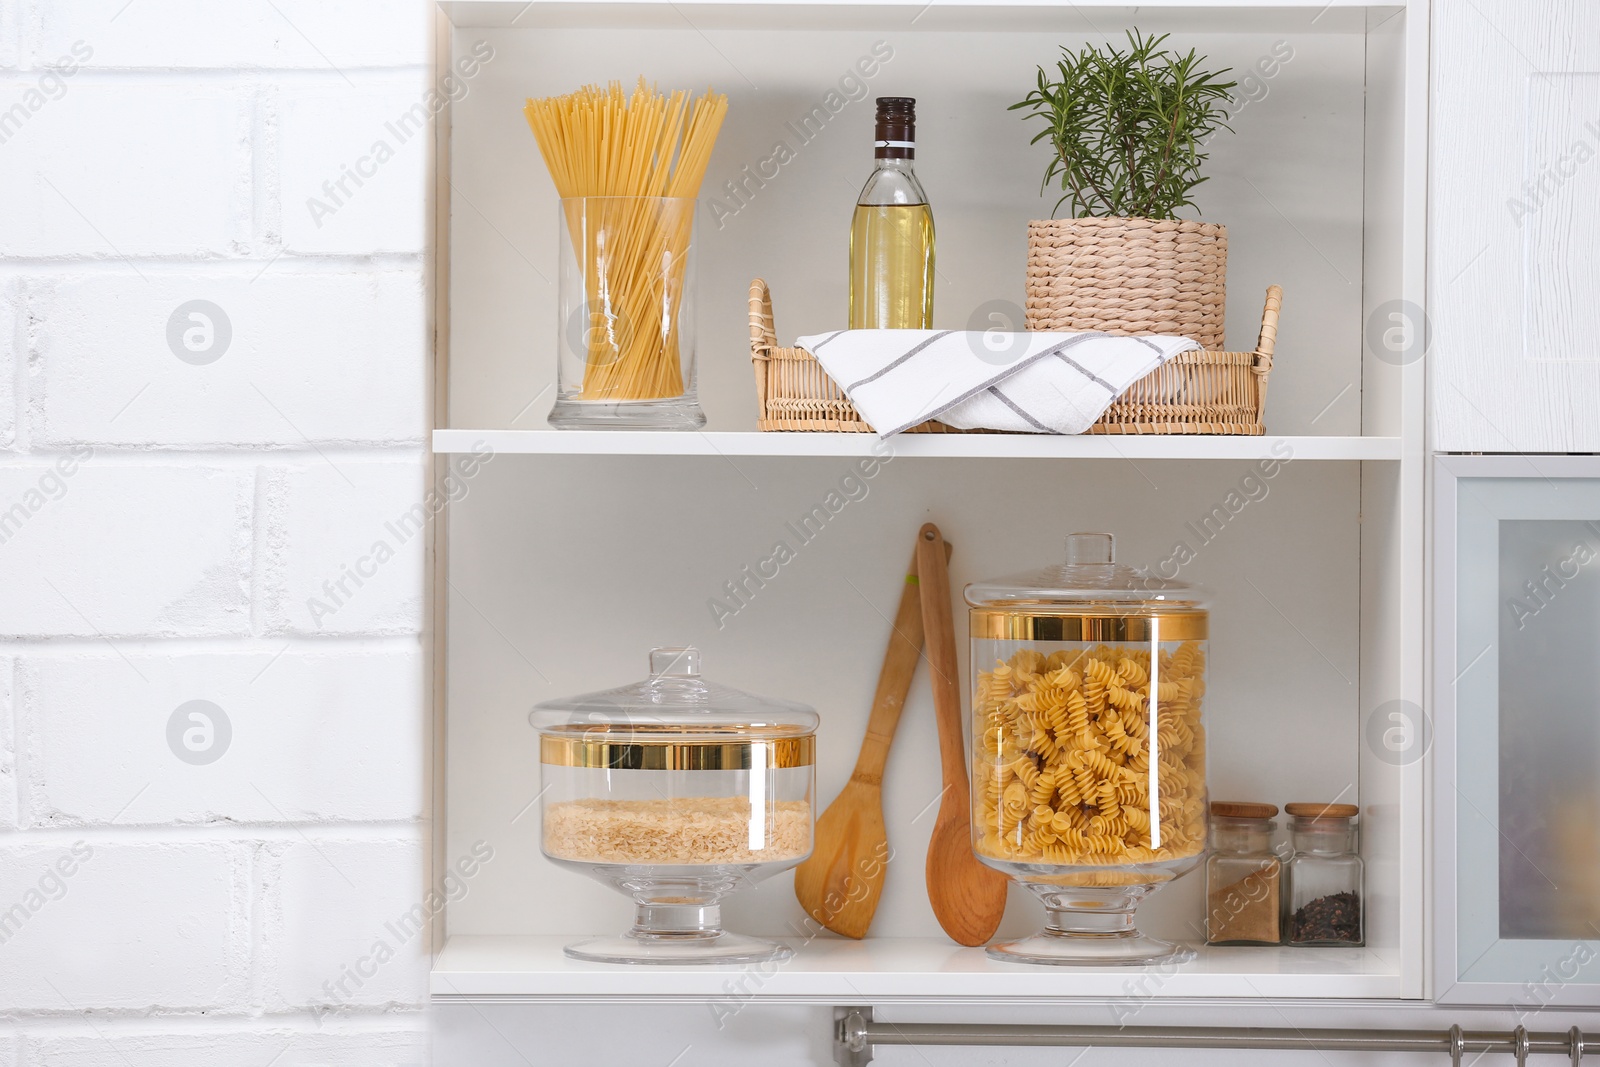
x=1549 y=752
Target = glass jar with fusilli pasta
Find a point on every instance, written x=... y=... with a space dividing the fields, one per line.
x=1089 y=768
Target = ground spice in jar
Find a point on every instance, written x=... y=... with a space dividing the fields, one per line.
x=1333 y=918
x=1247 y=910
x=1244 y=898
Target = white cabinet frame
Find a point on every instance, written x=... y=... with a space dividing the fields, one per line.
x=1381 y=446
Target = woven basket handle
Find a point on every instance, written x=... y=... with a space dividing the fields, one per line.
x=1268 y=339
x=762 y=340
x=762 y=337
x=1266 y=343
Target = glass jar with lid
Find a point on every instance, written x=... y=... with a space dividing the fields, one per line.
x=1243 y=876
x=1088 y=776
x=1323 y=903
x=676 y=791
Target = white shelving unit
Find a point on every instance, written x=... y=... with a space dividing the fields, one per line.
x=569 y=553
x=946 y=446
x=895 y=971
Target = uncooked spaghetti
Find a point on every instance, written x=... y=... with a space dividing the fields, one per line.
x=638 y=148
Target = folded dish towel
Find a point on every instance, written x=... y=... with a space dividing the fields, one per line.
x=1029 y=382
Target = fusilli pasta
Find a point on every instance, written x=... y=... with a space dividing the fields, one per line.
x=1065 y=771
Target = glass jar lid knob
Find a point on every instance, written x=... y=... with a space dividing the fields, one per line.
x=1091 y=548
x=681 y=662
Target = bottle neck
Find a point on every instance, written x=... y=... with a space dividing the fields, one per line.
x=904 y=164
x=894 y=135
x=892 y=181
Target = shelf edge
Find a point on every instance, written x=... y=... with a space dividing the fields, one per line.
x=947 y=446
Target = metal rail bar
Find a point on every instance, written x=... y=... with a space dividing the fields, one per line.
x=855 y=1034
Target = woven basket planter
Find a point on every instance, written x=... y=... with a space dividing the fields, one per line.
x=1193 y=393
x=1128 y=276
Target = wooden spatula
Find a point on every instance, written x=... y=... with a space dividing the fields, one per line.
x=839 y=886
x=968 y=898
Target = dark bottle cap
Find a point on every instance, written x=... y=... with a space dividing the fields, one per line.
x=896 y=136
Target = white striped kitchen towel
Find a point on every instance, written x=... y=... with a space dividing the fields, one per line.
x=993 y=380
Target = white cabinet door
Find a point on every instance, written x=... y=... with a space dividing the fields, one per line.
x=1517 y=704
x=1514 y=230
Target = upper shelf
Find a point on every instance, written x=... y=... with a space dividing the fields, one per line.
x=904 y=970
x=948 y=445
x=1241 y=15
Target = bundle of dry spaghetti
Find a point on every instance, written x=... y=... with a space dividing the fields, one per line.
x=641 y=147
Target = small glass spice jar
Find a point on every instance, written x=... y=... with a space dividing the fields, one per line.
x=1323 y=903
x=1243 y=876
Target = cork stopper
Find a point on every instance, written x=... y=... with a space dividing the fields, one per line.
x=1322 y=811
x=1243 y=809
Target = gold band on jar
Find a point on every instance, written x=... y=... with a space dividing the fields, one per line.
x=990 y=625
x=664 y=748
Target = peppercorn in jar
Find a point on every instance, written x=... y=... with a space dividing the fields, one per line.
x=1323 y=903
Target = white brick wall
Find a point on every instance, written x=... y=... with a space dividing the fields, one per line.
x=309 y=34
x=350 y=910
x=131 y=927
x=168 y=505
x=292 y=1049
x=11 y=341
x=8 y=60
x=8 y=762
x=123 y=551
x=347 y=552
x=338 y=356
x=119 y=170
x=353 y=164
x=312 y=735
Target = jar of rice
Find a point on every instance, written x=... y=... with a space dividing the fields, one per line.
x=676 y=791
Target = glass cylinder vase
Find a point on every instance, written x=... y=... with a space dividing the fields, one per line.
x=625 y=344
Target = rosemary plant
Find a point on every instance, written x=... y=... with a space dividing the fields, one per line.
x=1128 y=128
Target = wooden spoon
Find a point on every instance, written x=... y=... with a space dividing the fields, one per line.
x=968 y=898
x=840 y=885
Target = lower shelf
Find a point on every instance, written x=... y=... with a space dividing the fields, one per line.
x=946 y=445
x=902 y=970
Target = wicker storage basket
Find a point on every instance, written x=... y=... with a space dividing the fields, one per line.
x=1195 y=392
x=1128 y=276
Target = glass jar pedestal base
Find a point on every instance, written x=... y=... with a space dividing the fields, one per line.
x=1091 y=927
x=679 y=934
x=673 y=413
